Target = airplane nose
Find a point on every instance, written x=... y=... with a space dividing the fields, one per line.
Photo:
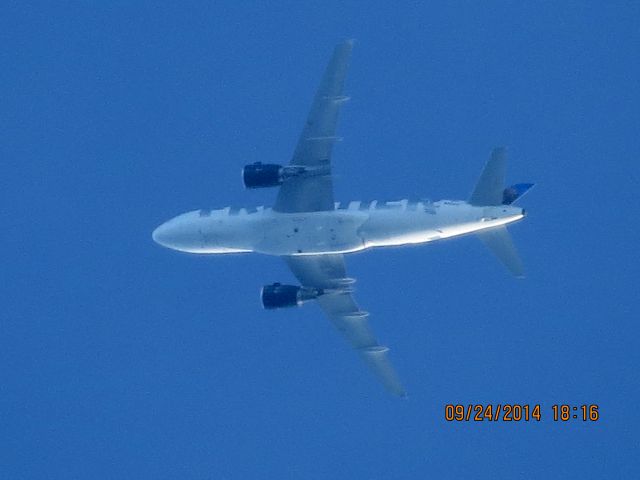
x=162 y=235
x=180 y=233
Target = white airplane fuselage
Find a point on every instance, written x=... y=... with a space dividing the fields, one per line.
x=358 y=226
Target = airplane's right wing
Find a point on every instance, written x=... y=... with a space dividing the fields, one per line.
x=328 y=272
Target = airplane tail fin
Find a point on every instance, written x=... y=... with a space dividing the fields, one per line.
x=490 y=191
x=490 y=187
x=514 y=192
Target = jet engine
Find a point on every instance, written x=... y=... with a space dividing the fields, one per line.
x=261 y=175
x=282 y=296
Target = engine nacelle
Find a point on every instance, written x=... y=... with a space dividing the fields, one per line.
x=283 y=296
x=262 y=175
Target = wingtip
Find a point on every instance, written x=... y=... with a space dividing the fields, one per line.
x=349 y=43
x=500 y=150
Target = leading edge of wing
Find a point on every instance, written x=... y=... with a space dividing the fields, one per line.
x=328 y=271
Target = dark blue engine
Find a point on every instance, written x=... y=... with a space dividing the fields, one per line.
x=261 y=175
x=280 y=296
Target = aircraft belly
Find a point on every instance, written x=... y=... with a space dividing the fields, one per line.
x=311 y=234
x=395 y=228
x=388 y=229
x=224 y=234
x=329 y=232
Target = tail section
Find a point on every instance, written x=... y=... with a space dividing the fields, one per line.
x=490 y=185
x=499 y=242
x=514 y=192
x=490 y=191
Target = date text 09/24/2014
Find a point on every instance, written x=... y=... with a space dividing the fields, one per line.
x=515 y=412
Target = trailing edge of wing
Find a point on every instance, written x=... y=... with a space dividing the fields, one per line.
x=328 y=271
x=353 y=324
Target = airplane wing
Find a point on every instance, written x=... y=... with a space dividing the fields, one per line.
x=328 y=272
x=309 y=193
x=315 y=192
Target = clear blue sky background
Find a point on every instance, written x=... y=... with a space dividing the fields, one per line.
x=120 y=359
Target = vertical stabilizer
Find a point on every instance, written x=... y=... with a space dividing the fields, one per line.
x=515 y=192
x=499 y=241
x=490 y=186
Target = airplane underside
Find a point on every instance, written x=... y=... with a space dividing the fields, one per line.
x=322 y=233
x=311 y=232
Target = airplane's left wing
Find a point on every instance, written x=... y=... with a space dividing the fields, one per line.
x=328 y=272
x=314 y=192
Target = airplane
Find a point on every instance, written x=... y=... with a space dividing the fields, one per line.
x=312 y=232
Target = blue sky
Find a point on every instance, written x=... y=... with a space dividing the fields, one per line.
x=121 y=359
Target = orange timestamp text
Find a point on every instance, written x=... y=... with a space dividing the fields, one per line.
x=518 y=412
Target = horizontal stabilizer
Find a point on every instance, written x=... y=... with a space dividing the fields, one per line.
x=490 y=186
x=499 y=241
x=514 y=192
